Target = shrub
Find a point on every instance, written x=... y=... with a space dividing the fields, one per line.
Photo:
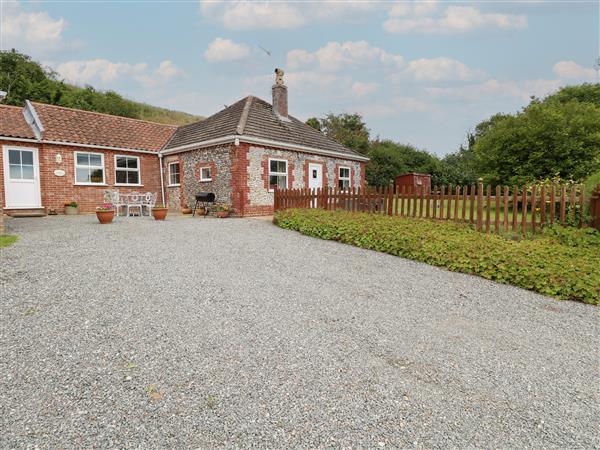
x=564 y=263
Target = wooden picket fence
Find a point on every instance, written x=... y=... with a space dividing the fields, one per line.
x=497 y=210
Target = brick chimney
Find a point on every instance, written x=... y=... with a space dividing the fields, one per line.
x=280 y=97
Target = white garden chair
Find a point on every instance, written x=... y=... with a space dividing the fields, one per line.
x=149 y=201
x=118 y=201
x=134 y=200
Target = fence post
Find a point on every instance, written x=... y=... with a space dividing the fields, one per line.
x=595 y=207
x=479 y=204
x=524 y=212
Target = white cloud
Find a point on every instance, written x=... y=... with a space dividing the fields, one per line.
x=494 y=89
x=455 y=19
x=394 y=106
x=416 y=8
x=33 y=32
x=440 y=69
x=360 y=89
x=570 y=70
x=248 y=15
x=106 y=72
x=335 y=56
x=221 y=50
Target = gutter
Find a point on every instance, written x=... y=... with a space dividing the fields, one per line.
x=266 y=142
x=162 y=182
x=75 y=144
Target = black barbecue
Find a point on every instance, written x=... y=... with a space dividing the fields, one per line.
x=204 y=199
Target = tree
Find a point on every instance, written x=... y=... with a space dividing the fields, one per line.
x=314 y=123
x=347 y=129
x=22 y=79
x=583 y=93
x=390 y=159
x=546 y=139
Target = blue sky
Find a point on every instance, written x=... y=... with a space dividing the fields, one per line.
x=420 y=72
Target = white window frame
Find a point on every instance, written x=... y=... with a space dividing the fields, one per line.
x=169 y=166
x=202 y=176
x=279 y=174
x=348 y=178
x=126 y=169
x=75 y=165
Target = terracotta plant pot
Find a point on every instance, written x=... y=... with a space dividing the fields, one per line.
x=201 y=211
x=222 y=214
x=159 y=213
x=186 y=210
x=71 y=210
x=105 y=217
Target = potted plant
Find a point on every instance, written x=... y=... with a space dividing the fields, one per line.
x=186 y=209
x=71 y=208
x=159 y=211
x=200 y=211
x=222 y=211
x=105 y=213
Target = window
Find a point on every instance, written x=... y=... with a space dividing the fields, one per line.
x=174 y=177
x=89 y=168
x=344 y=178
x=205 y=174
x=277 y=174
x=127 y=170
x=20 y=164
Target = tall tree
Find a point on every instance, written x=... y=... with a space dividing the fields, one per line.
x=347 y=129
x=544 y=140
x=390 y=159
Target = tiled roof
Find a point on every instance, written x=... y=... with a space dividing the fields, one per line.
x=12 y=123
x=86 y=127
x=254 y=117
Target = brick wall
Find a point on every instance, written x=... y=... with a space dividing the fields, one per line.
x=56 y=190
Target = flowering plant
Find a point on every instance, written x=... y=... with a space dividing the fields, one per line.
x=72 y=204
x=105 y=207
x=159 y=206
x=223 y=207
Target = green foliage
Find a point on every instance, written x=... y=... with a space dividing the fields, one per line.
x=564 y=263
x=24 y=79
x=544 y=140
x=389 y=159
x=592 y=181
x=314 y=123
x=7 y=239
x=583 y=93
x=347 y=129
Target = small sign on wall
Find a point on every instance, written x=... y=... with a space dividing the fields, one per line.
x=59 y=173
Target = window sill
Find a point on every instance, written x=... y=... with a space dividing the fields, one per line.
x=207 y=180
x=173 y=185
x=128 y=185
x=90 y=184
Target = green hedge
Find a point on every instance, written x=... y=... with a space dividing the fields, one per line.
x=560 y=262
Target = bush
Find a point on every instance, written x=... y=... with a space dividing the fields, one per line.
x=564 y=263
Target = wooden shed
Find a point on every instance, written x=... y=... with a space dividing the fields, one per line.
x=414 y=180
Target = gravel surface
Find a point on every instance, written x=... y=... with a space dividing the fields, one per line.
x=235 y=333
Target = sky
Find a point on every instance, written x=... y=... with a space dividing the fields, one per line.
x=419 y=72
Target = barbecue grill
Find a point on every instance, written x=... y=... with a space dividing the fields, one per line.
x=204 y=199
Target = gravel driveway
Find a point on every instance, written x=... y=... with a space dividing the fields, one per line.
x=234 y=333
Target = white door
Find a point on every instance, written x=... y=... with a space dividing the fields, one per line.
x=315 y=176
x=21 y=177
x=315 y=179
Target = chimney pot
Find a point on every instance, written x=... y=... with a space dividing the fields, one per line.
x=280 y=97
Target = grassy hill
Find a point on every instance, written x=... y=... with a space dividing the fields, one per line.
x=25 y=79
